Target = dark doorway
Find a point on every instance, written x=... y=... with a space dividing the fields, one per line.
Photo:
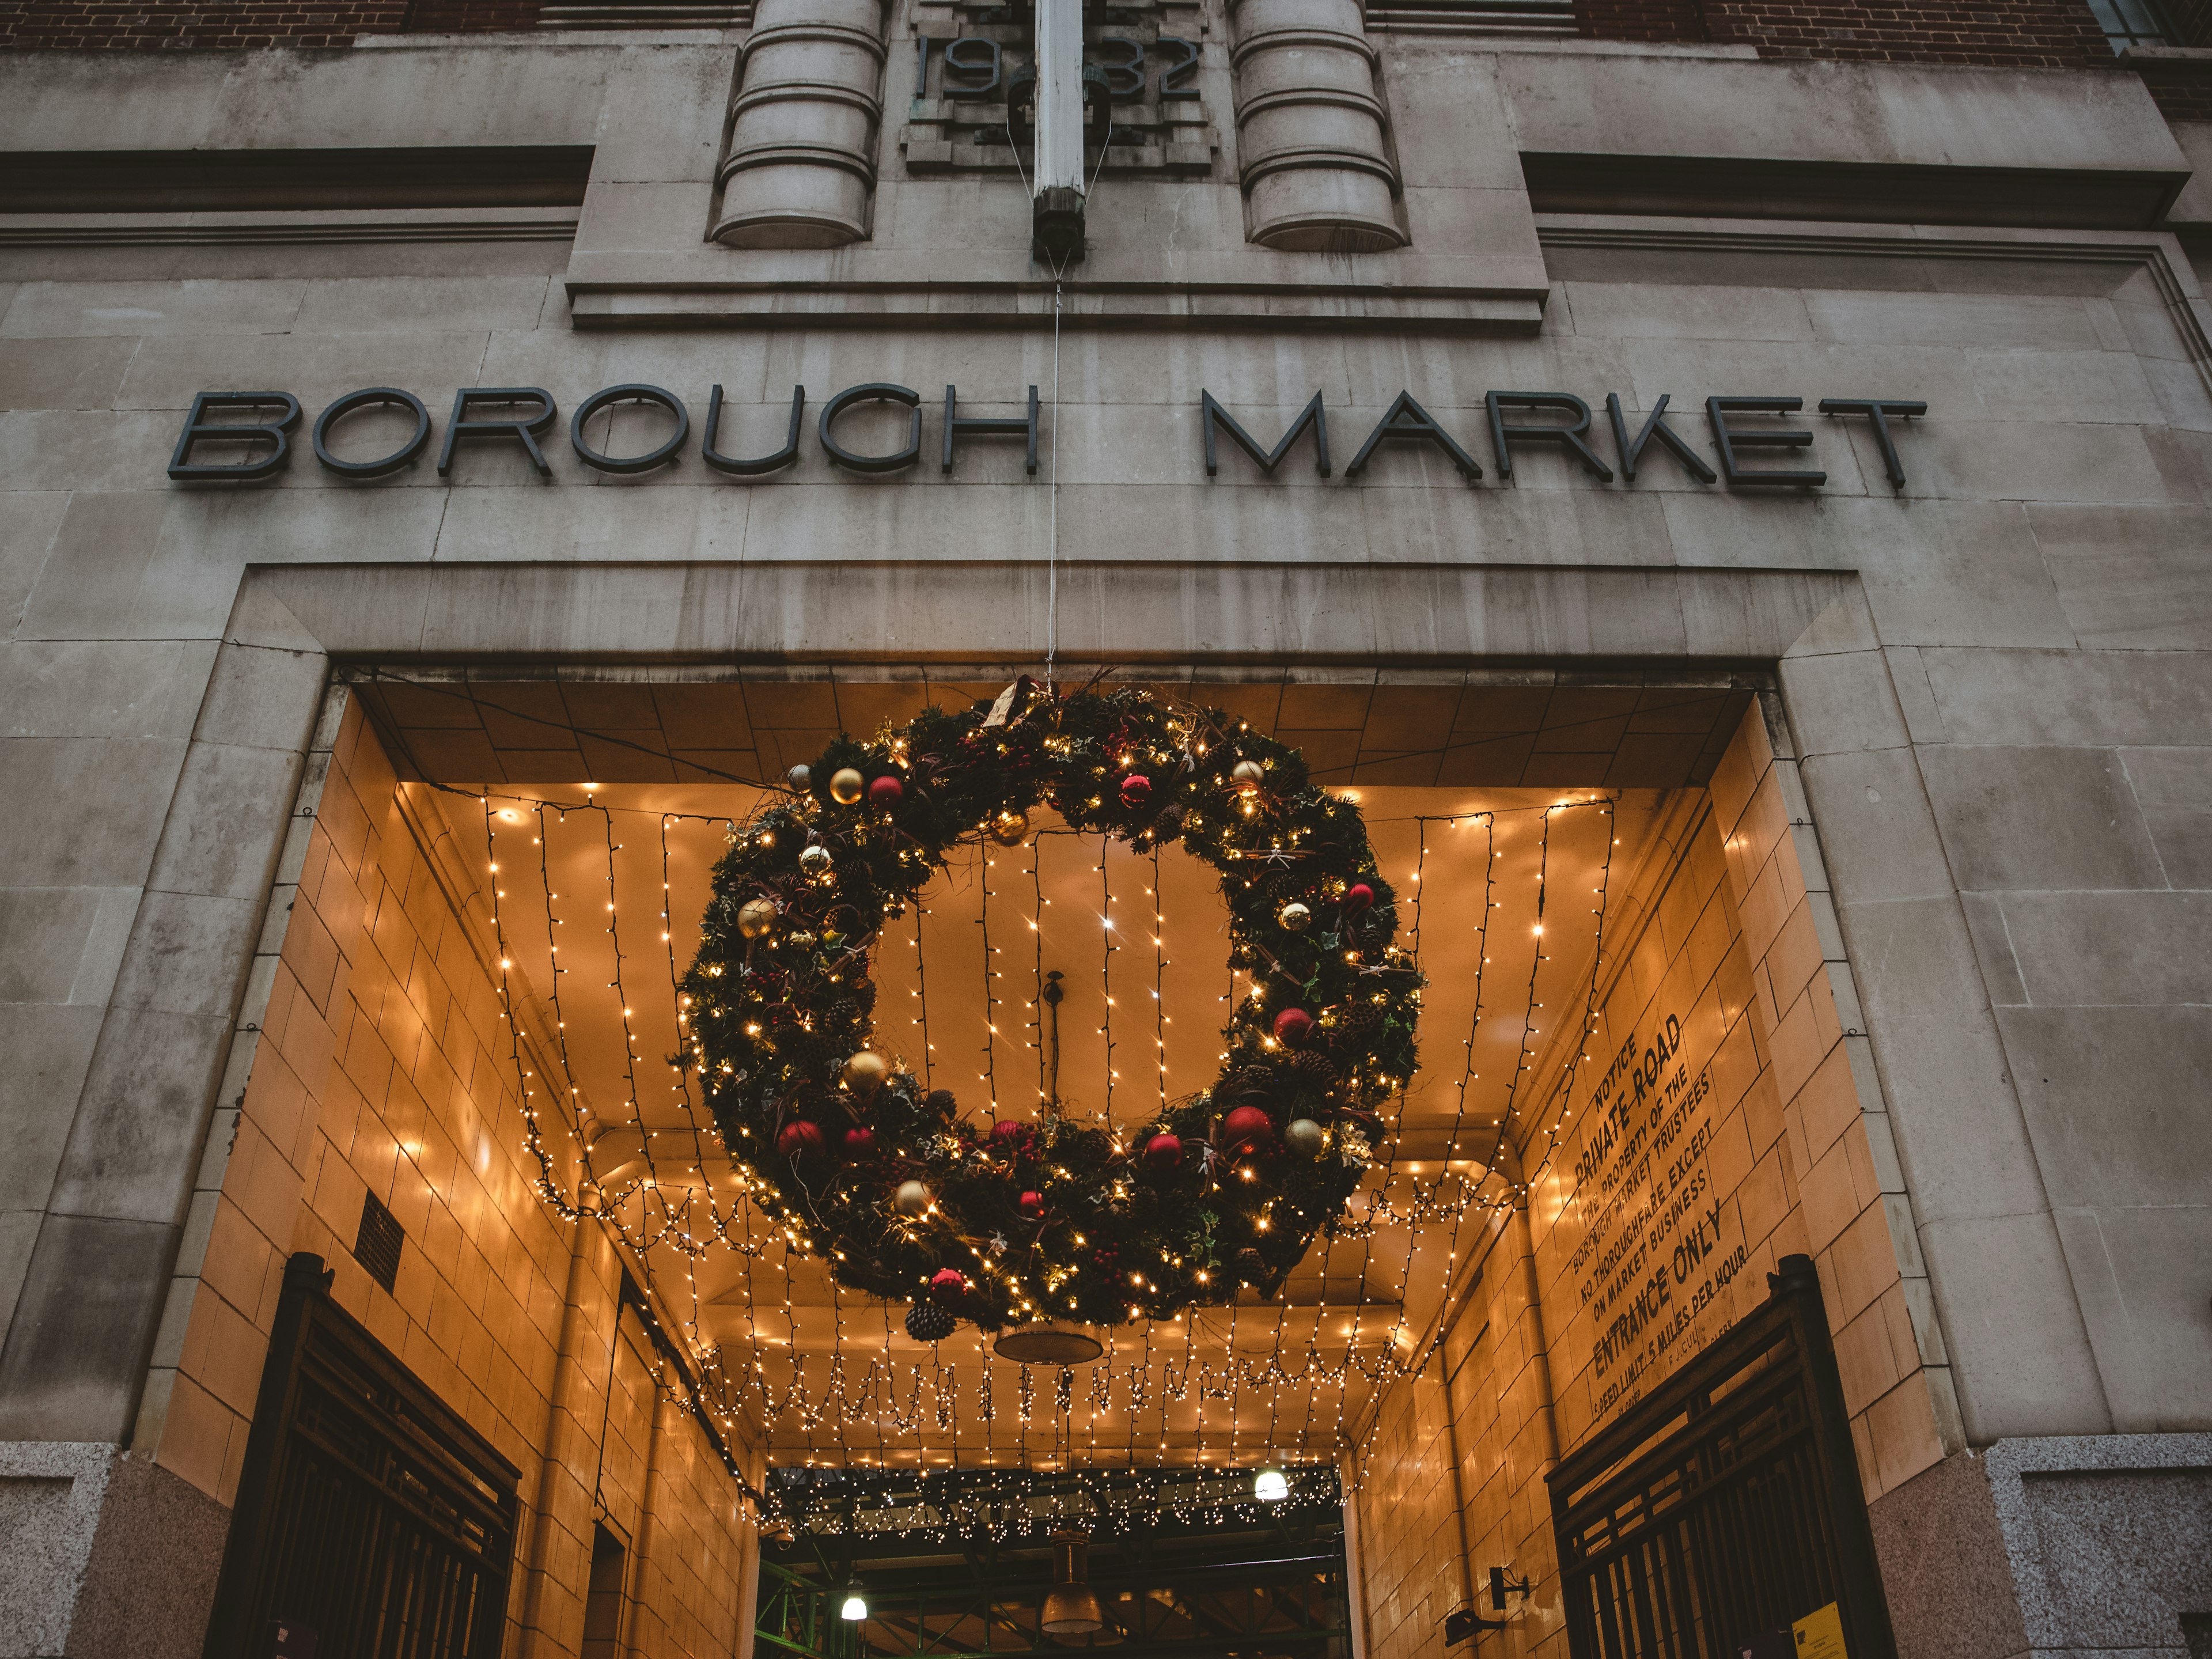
x=603 y=1595
x=372 y=1522
x=955 y=1563
x=1709 y=1518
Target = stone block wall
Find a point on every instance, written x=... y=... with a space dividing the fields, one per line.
x=1729 y=923
x=380 y=1071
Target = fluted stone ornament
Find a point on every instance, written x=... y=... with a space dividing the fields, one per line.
x=800 y=170
x=1312 y=130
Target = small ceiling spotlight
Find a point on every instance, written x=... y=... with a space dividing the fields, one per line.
x=1271 y=1487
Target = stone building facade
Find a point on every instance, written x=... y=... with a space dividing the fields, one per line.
x=1930 y=903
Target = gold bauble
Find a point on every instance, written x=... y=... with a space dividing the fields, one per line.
x=1304 y=1137
x=814 y=860
x=757 y=917
x=1010 y=828
x=864 y=1073
x=911 y=1199
x=845 y=786
x=1247 y=775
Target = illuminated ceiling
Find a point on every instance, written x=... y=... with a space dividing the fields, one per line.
x=830 y=1375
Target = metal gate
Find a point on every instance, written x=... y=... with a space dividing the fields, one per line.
x=372 y=1522
x=1727 y=1505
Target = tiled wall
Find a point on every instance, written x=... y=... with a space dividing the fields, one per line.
x=379 y=1069
x=1729 y=928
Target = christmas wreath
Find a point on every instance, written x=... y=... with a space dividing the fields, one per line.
x=1006 y=1223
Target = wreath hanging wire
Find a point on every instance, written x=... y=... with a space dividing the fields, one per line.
x=1012 y=1223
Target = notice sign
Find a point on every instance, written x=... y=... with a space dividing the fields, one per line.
x=1661 y=1191
x=1661 y=1244
x=1817 y=1635
x=1821 y=1634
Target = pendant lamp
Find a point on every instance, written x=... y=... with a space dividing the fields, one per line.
x=1071 y=1609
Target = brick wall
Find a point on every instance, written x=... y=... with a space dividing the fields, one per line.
x=2017 y=33
x=240 y=25
x=2192 y=21
x=2182 y=91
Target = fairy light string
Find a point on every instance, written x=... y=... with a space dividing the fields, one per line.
x=656 y=1210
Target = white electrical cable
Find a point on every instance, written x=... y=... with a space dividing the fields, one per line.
x=1052 y=509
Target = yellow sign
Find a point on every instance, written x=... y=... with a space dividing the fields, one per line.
x=1821 y=1634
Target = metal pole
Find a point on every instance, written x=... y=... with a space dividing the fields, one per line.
x=1056 y=207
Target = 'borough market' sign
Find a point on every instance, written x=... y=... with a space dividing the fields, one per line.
x=518 y=415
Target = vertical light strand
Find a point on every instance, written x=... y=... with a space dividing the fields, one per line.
x=921 y=1000
x=574 y=1103
x=1467 y=1074
x=1106 y=973
x=989 y=1076
x=1522 y=1059
x=1577 y=1054
x=652 y=1183
x=1036 y=1009
x=1160 y=1020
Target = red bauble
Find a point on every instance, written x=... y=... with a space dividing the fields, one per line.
x=859 y=1143
x=1136 y=790
x=1032 y=1205
x=1357 y=898
x=1247 y=1126
x=1007 y=1133
x=1293 y=1025
x=886 y=791
x=799 y=1140
x=1163 y=1151
x=946 y=1286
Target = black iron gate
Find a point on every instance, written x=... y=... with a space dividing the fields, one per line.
x=372 y=1522
x=1727 y=1505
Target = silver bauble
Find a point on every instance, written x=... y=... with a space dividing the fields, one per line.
x=911 y=1199
x=800 y=778
x=1248 y=774
x=1304 y=1137
x=814 y=860
x=1295 y=917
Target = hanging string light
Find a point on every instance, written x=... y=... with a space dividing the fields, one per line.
x=654 y=1210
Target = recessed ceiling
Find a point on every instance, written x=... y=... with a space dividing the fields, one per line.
x=1522 y=730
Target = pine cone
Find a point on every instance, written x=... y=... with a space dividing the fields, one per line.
x=1168 y=820
x=1254 y=1082
x=1357 y=1021
x=1251 y=1266
x=1314 y=1069
x=927 y=1323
